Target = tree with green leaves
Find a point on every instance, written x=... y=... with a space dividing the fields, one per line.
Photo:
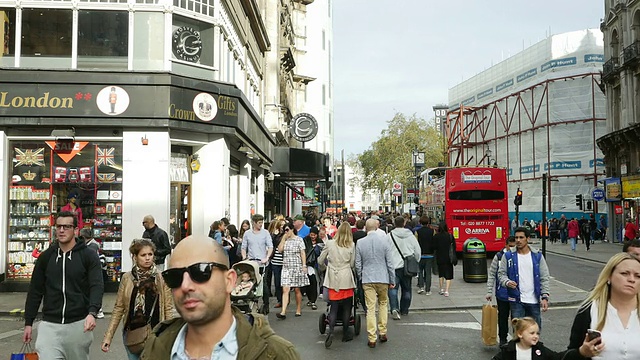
x=389 y=158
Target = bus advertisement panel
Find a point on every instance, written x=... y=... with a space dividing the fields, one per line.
x=473 y=202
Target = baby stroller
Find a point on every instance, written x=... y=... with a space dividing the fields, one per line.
x=354 y=320
x=246 y=295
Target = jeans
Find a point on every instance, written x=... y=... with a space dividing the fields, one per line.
x=266 y=278
x=563 y=236
x=403 y=282
x=360 y=294
x=519 y=310
x=277 y=274
x=573 y=243
x=376 y=294
x=424 y=273
x=503 y=319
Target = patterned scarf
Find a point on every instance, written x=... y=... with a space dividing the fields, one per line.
x=144 y=280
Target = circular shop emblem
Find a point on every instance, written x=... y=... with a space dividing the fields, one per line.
x=112 y=100
x=187 y=44
x=303 y=127
x=205 y=107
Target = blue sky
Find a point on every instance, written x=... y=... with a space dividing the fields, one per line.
x=403 y=55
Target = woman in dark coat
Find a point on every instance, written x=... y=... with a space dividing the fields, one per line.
x=443 y=241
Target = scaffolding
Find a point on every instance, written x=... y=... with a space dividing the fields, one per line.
x=549 y=127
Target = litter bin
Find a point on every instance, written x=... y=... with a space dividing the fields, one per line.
x=474 y=261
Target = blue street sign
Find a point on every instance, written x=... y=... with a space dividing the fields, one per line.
x=597 y=194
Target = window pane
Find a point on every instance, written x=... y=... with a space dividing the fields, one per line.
x=148 y=46
x=192 y=41
x=103 y=38
x=46 y=38
x=8 y=36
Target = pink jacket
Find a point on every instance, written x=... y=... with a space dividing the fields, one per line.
x=573 y=228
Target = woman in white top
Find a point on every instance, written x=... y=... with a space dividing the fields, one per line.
x=612 y=309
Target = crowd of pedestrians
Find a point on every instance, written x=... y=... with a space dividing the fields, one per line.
x=344 y=260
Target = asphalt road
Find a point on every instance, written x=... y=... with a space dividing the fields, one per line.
x=576 y=272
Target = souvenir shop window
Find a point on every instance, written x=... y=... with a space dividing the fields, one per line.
x=7 y=37
x=103 y=38
x=46 y=38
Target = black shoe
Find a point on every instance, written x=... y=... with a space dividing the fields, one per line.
x=503 y=343
x=347 y=336
x=281 y=316
x=329 y=340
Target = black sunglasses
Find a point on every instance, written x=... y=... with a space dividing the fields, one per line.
x=199 y=273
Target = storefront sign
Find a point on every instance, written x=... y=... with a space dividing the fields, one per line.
x=193 y=106
x=618 y=209
x=67 y=150
x=304 y=127
x=613 y=189
x=187 y=44
x=631 y=187
x=80 y=100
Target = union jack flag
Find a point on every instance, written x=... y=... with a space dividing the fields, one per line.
x=29 y=157
x=106 y=177
x=105 y=156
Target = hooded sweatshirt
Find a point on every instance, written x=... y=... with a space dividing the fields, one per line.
x=407 y=243
x=70 y=283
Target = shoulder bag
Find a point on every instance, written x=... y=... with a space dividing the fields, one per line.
x=411 y=265
x=135 y=339
x=453 y=258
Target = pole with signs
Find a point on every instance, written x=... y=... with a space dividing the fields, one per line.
x=543 y=226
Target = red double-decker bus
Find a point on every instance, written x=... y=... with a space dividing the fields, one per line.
x=472 y=201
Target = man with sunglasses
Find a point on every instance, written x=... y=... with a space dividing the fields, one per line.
x=68 y=276
x=210 y=327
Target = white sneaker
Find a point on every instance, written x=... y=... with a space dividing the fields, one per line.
x=395 y=314
x=428 y=293
x=100 y=314
x=420 y=290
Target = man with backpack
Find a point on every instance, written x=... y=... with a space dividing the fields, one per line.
x=68 y=277
x=502 y=298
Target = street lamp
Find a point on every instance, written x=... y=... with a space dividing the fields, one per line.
x=488 y=155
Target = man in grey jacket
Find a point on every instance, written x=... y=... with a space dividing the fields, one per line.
x=403 y=244
x=375 y=268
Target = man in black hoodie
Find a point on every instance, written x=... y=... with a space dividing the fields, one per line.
x=69 y=278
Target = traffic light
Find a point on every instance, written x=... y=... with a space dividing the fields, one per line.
x=518 y=199
x=579 y=201
x=589 y=205
x=316 y=195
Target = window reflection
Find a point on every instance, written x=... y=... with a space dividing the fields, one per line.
x=46 y=32
x=103 y=38
x=7 y=36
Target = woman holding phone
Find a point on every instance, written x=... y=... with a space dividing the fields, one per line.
x=610 y=315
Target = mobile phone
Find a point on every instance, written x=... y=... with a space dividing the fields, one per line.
x=593 y=334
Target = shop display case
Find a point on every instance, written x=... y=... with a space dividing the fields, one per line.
x=49 y=177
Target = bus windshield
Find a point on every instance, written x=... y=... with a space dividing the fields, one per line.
x=476 y=195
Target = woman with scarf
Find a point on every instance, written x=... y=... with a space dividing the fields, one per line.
x=143 y=298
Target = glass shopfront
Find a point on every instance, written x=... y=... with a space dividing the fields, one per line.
x=48 y=177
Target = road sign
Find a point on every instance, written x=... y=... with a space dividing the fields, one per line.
x=397 y=189
x=597 y=194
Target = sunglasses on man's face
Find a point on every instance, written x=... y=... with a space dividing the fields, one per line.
x=199 y=273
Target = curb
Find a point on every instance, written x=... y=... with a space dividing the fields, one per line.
x=576 y=257
x=479 y=307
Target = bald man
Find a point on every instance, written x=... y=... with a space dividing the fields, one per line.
x=210 y=327
x=159 y=238
x=376 y=269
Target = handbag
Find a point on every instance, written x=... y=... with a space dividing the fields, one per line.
x=411 y=265
x=489 y=324
x=135 y=339
x=453 y=258
x=26 y=353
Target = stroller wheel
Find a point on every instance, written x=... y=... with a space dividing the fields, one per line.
x=357 y=325
x=322 y=323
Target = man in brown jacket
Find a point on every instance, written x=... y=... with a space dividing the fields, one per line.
x=201 y=283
